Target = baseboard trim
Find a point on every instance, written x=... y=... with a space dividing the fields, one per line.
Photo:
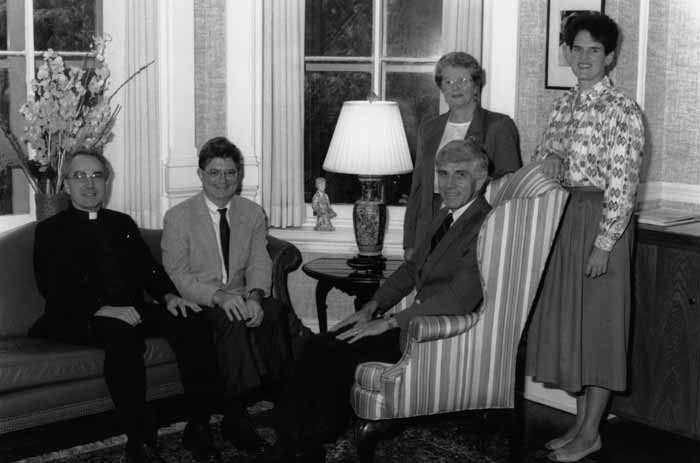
x=555 y=398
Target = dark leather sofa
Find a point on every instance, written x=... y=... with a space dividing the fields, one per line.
x=42 y=381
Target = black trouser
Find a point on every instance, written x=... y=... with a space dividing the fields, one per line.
x=125 y=372
x=251 y=357
x=315 y=403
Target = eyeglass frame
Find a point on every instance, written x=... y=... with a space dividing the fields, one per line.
x=215 y=174
x=80 y=176
x=462 y=81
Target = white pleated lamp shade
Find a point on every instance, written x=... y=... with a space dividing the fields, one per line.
x=369 y=139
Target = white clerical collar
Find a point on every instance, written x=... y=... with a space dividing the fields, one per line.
x=456 y=214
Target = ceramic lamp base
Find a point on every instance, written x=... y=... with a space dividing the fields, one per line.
x=369 y=222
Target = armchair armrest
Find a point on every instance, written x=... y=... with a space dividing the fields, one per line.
x=430 y=328
x=285 y=259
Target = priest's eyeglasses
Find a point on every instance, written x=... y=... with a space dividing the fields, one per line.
x=81 y=176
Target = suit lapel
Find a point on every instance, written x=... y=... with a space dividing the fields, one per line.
x=456 y=231
x=239 y=233
x=207 y=240
x=432 y=139
x=476 y=128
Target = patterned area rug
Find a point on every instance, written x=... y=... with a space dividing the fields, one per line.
x=464 y=438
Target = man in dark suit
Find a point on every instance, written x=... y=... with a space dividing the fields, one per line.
x=92 y=267
x=314 y=407
x=214 y=249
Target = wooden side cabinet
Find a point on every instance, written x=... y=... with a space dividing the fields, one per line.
x=664 y=367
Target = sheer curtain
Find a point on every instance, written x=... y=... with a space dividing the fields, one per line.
x=462 y=26
x=142 y=167
x=283 y=112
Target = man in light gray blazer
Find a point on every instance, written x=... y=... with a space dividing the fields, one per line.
x=214 y=249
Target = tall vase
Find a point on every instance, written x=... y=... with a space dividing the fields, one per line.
x=48 y=205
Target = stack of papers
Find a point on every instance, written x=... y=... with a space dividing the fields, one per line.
x=666 y=216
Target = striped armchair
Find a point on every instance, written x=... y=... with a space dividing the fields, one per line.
x=454 y=363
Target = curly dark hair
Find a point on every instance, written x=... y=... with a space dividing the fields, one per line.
x=602 y=29
x=219 y=147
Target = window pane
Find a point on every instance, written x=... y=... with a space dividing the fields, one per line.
x=419 y=100
x=14 y=192
x=338 y=27
x=324 y=94
x=11 y=25
x=414 y=27
x=65 y=25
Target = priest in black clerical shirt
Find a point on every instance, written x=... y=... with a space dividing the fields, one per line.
x=92 y=267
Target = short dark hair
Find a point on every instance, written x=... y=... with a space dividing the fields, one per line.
x=602 y=29
x=460 y=59
x=465 y=151
x=68 y=160
x=219 y=147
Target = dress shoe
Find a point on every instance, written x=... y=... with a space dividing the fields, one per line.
x=141 y=453
x=561 y=455
x=557 y=443
x=241 y=433
x=197 y=439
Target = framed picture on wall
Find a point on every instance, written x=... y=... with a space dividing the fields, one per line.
x=558 y=74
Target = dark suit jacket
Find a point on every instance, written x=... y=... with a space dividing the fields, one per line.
x=81 y=265
x=447 y=281
x=495 y=131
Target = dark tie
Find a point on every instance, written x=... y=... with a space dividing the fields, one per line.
x=440 y=233
x=224 y=235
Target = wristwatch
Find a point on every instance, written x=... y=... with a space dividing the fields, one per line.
x=256 y=293
x=393 y=322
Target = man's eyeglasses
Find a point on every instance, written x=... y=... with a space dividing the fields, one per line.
x=216 y=174
x=81 y=176
x=462 y=82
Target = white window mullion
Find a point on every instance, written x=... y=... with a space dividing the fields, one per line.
x=29 y=43
x=378 y=47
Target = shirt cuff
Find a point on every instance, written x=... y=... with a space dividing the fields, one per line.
x=605 y=243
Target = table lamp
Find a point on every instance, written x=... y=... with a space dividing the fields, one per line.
x=369 y=141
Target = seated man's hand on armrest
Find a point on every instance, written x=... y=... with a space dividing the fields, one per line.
x=360 y=317
x=127 y=314
x=177 y=305
x=372 y=328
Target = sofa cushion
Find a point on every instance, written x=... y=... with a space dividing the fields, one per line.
x=27 y=362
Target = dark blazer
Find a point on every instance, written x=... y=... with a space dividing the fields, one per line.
x=495 y=131
x=81 y=265
x=447 y=281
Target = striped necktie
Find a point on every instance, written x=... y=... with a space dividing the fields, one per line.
x=440 y=233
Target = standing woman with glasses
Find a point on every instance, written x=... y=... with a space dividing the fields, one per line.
x=460 y=78
x=593 y=142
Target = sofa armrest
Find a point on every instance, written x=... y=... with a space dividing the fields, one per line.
x=285 y=259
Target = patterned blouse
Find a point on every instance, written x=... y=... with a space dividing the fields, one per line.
x=599 y=135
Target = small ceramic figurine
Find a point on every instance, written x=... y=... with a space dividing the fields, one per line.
x=321 y=206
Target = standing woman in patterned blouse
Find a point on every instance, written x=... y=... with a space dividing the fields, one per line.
x=593 y=142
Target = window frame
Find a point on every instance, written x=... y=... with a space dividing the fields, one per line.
x=378 y=65
x=30 y=54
